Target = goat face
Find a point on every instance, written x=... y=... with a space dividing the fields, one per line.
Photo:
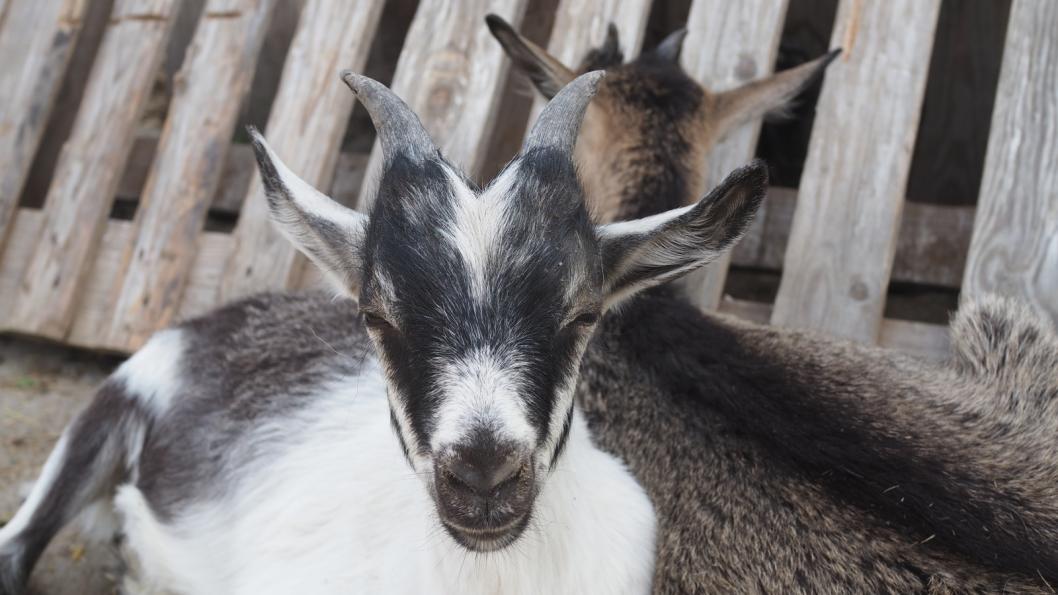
x=480 y=302
x=650 y=125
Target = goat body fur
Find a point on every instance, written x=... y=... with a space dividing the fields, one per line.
x=250 y=451
x=779 y=459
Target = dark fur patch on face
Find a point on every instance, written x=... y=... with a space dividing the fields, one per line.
x=437 y=312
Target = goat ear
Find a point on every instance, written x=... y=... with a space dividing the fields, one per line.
x=331 y=235
x=547 y=73
x=767 y=96
x=646 y=252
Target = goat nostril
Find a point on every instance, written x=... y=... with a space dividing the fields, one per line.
x=483 y=478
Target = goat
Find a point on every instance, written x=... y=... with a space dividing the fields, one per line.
x=780 y=460
x=419 y=435
x=646 y=136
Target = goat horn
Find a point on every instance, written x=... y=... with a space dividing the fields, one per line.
x=559 y=122
x=398 y=128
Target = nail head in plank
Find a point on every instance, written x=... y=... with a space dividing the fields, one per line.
x=729 y=44
x=308 y=119
x=1014 y=250
x=838 y=262
x=87 y=174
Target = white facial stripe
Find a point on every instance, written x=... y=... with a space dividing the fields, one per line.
x=400 y=413
x=479 y=391
x=563 y=405
x=643 y=225
x=475 y=229
x=663 y=250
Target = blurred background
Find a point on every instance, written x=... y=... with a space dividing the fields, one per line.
x=128 y=197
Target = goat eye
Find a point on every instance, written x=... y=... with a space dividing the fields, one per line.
x=375 y=321
x=586 y=319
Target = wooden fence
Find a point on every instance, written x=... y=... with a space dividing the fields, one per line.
x=70 y=272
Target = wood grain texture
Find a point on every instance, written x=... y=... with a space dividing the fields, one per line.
x=580 y=26
x=729 y=44
x=187 y=167
x=452 y=74
x=307 y=121
x=211 y=252
x=930 y=249
x=37 y=38
x=82 y=190
x=840 y=254
x=920 y=339
x=1014 y=250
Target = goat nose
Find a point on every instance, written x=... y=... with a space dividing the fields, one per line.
x=481 y=472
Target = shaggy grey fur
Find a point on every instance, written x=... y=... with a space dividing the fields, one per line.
x=780 y=460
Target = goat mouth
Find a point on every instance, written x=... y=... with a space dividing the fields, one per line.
x=488 y=539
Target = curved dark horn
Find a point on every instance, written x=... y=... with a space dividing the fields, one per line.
x=399 y=129
x=669 y=49
x=560 y=119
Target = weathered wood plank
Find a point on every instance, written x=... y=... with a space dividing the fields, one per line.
x=452 y=76
x=728 y=44
x=931 y=245
x=209 y=89
x=91 y=163
x=580 y=26
x=17 y=253
x=844 y=233
x=211 y=252
x=930 y=341
x=306 y=125
x=37 y=38
x=239 y=169
x=1014 y=250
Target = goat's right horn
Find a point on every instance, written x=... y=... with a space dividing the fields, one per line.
x=559 y=122
x=398 y=128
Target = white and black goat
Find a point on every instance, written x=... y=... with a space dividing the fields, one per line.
x=419 y=437
x=783 y=461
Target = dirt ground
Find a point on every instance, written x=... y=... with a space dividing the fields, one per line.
x=41 y=388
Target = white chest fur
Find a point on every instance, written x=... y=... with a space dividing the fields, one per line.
x=336 y=509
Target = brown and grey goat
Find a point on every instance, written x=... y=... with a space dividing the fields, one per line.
x=779 y=460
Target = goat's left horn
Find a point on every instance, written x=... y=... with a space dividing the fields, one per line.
x=398 y=128
x=559 y=122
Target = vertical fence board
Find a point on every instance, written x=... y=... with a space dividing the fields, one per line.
x=87 y=175
x=209 y=89
x=1014 y=248
x=306 y=125
x=729 y=44
x=37 y=38
x=843 y=238
x=452 y=76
